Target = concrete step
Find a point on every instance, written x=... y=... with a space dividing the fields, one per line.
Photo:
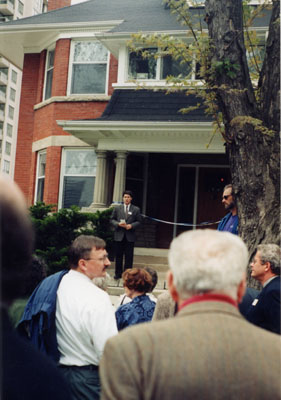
x=115 y=286
x=149 y=257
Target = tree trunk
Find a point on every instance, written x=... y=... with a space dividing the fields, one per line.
x=252 y=145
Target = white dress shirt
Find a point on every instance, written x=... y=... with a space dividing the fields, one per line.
x=84 y=320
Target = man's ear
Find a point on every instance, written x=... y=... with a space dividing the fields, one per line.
x=267 y=266
x=171 y=286
x=241 y=290
x=82 y=265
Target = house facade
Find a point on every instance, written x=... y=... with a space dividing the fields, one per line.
x=95 y=118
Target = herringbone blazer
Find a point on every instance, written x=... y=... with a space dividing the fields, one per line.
x=134 y=219
x=207 y=352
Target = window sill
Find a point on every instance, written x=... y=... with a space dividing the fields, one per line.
x=72 y=98
x=151 y=84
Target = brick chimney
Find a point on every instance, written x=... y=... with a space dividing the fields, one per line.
x=54 y=4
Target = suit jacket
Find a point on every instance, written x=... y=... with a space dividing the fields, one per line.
x=165 y=307
x=134 y=218
x=247 y=300
x=27 y=373
x=265 y=309
x=208 y=351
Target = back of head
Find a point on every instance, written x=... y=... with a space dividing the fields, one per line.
x=207 y=260
x=270 y=253
x=137 y=279
x=81 y=248
x=154 y=276
x=16 y=239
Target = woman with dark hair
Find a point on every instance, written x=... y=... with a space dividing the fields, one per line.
x=137 y=282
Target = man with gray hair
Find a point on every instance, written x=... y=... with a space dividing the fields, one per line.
x=265 y=309
x=208 y=351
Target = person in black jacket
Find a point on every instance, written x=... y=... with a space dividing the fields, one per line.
x=26 y=373
x=125 y=219
x=265 y=308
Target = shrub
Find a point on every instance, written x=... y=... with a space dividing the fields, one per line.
x=56 y=230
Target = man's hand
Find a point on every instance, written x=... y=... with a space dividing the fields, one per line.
x=128 y=226
x=123 y=225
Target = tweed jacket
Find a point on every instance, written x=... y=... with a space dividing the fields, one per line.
x=165 y=307
x=208 y=351
x=265 y=310
x=134 y=218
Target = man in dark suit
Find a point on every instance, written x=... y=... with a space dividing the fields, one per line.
x=208 y=350
x=265 y=309
x=125 y=219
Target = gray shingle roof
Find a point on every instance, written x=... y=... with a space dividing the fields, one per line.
x=138 y=15
x=149 y=105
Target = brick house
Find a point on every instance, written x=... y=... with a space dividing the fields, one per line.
x=85 y=133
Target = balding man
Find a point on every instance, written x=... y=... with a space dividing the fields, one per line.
x=265 y=309
x=208 y=351
x=26 y=373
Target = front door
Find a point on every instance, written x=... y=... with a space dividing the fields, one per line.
x=198 y=196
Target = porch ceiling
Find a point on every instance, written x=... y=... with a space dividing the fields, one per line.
x=178 y=137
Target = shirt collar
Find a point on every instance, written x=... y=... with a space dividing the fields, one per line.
x=269 y=280
x=209 y=297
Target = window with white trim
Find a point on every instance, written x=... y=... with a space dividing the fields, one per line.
x=12 y=94
x=6 y=167
x=11 y=112
x=14 y=76
x=49 y=74
x=20 y=7
x=9 y=130
x=8 y=147
x=78 y=174
x=151 y=68
x=40 y=176
x=89 y=68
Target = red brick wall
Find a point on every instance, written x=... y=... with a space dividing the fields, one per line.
x=113 y=70
x=45 y=118
x=54 y=4
x=41 y=123
x=41 y=76
x=59 y=86
x=52 y=175
x=23 y=165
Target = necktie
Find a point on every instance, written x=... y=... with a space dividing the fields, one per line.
x=126 y=213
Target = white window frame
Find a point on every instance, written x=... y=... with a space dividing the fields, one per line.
x=13 y=94
x=8 y=148
x=158 y=69
x=62 y=169
x=6 y=167
x=9 y=130
x=39 y=154
x=47 y=69
x=14 y=76
x=70 y=68
x=11 y=112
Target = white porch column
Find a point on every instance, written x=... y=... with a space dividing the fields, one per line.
x=120 y=176
x=100 y=191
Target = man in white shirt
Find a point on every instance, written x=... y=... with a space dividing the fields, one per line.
x=84 y=317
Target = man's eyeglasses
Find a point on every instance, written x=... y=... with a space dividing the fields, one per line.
x=226 y=196
x=101 y=259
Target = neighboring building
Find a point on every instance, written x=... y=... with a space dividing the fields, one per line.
x=10 y=83
x=85 y=132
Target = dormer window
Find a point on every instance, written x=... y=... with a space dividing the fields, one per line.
x=88 y=68
x=151 y=68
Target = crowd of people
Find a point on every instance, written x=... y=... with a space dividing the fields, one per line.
x=71 y=343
